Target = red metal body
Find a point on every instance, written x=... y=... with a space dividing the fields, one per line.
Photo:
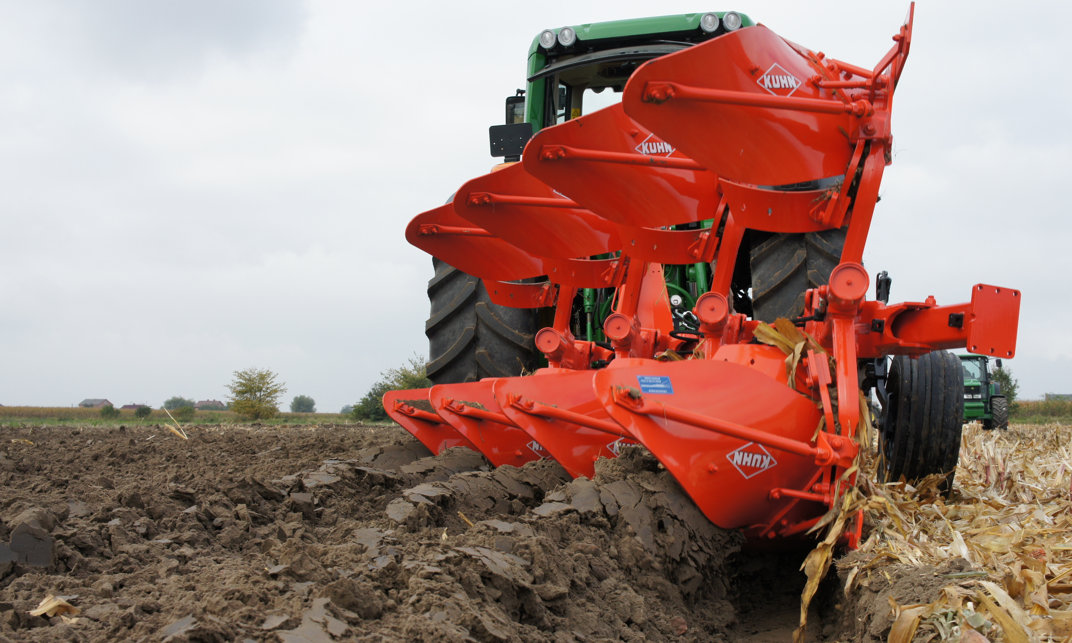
x=558 y=408
x=472 y=410
x=412 y=410
x=515 y=206
x=600 y=161
x=716 y=425
x=471 y=249
x=762 y=438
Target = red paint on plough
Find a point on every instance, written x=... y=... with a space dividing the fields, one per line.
x=758 y=423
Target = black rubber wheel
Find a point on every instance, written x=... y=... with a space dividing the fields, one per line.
x=785 y=265
x=469 y=337
x=919 y=431
x=999 y=410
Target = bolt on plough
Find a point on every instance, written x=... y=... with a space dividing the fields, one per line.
x=720 y=151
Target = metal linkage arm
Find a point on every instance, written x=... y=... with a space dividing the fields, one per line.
x=987 y=325
x=832 y=450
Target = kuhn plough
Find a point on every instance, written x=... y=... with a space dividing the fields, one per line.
x=757 y=422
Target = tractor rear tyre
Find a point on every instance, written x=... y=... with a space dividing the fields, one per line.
x=469 y=337
x=999 y=411
x=785 y=265
x=919 y=431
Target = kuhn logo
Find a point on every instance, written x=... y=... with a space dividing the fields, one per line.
x=652 y=146
x=751 y=460
x=778 y=81
x=616 y=446
x=537 y=448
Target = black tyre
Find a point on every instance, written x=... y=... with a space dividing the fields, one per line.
x=785 y=265
x=469 y=337
x=919 y=431
x=999 y=410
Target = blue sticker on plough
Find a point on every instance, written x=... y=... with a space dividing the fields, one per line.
x=655 y=384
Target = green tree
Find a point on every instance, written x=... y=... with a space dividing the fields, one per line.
x=412 y=374
x=142 y=411
x=183 y=413
x=108 y=412
x=175 y=402
x=370 y=407
x=255 y=393
x=1010 y=386
x=302 y=404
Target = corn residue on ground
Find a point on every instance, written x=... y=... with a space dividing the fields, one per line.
x=993 y=561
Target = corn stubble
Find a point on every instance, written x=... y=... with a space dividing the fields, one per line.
x=1008 y=516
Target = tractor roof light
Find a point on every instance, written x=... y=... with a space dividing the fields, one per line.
x=731 y=20
x=547 y=39
x=709 y=22
x=566 y=36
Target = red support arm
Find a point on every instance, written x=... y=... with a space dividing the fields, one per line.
x=987 y=325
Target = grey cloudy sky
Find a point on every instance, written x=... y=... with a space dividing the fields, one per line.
x=190 y=188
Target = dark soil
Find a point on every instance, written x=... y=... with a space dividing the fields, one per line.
x=358 y=533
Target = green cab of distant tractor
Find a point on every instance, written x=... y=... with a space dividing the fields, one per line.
x=983 y=398
x=571 y=69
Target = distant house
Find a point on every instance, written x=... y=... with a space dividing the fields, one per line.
x=132 y=407
x=210 y=405
x=93 y=403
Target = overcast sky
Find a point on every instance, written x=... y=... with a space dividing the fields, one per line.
x=192 y=187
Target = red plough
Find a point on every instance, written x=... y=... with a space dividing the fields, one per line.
x=558 y=408
x=743 y=134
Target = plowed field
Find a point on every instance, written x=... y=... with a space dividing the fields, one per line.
x=358 y=533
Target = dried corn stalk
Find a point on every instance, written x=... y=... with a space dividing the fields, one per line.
x=1010 y=516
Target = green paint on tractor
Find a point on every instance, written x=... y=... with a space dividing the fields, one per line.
x=983 y=398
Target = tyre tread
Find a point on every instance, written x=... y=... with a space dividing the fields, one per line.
x=784 y=266
x=921 y=428
x=469 y=337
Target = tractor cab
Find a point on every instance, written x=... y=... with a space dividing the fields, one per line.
x=983 y=398
x=580 y=69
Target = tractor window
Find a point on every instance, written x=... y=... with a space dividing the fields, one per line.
x=582 y=84
x=572 y=101
x=598 y=98
x=973 y=369
x=560 y=104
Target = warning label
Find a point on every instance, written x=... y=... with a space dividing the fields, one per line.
x=655 y=384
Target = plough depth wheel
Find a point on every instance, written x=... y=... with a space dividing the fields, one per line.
x=920 y=425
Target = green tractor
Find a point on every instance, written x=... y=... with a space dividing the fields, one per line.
x=983 y=398
x=574 y=71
